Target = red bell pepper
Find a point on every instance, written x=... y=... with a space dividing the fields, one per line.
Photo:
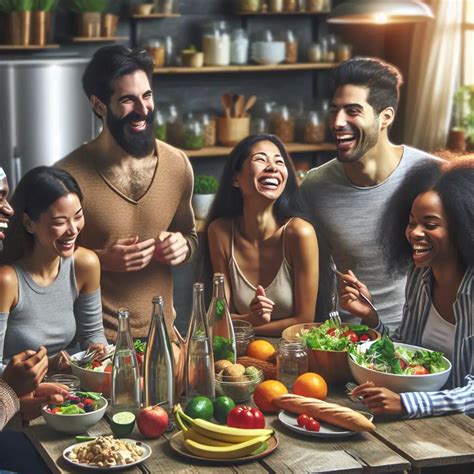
x=245 y=417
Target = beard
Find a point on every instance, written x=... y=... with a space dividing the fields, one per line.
x=138 y=144
x=366 y=139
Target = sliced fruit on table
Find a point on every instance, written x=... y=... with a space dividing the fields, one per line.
x=266 y=392
x=200 y=407
x=122 y=423
x=310 y=385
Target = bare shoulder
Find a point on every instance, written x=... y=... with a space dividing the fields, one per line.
x=8 y=287
x=7 y=277
x=86 y=260
x=299 y=230
x=220 y=226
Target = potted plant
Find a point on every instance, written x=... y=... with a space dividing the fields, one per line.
x=462 y=132
x=88 y=16
x=41 y=21
x=18 y=14
x=205 y=188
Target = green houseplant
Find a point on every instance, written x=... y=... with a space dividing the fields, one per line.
x=463 y=117
x=205 y=188
x=88 y=16
x=18 y=20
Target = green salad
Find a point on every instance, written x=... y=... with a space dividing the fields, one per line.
x=384 y=356
x=329 y=337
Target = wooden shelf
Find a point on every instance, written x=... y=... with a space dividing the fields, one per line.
x=291 y=147
x=243 y=68
x=280 y=13
x=154 y=16
x=30 y=47
x=98 y=39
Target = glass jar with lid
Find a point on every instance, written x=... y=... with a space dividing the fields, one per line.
x=174 y=125
x=216 y=44
x=314 y=6
x=160 y=126
x=292 y=360
x=289 y=5
x=239 y=47
x=315 y=53
x=193 y=133
x=275 y=6
x=314 y=128
x=156 y=49
x=244 y=335
x=210 y=129
x=291 y=47
x=284 y=125
x=166 y=6
x=249 y=6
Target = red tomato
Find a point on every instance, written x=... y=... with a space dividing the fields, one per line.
x=108 y=368
x=420 y=370
x=313 y=425
x=403 y=364
x=352 y=335
x=364 y=337
x=245 y=417
x=331 y=331
x=302 y=420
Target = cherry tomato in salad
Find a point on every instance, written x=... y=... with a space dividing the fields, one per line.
x=331 y=331
x=403 y=364
x=95 y=363
x=313 y=425
x=352 y=335
x=420 y=370
x=245 y=417
x=108 y=368
x=302 y=420
x=364 y=338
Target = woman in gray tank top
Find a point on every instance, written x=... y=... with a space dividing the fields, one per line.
x=49 y=287
x=259 y=239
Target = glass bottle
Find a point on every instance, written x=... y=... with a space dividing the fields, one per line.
x=125 y=370
x=222 y=331
x=292 y=361
x=199 y=357
x=158 y=388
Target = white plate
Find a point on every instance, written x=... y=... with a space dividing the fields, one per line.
x=146 y=454
x=326 y=431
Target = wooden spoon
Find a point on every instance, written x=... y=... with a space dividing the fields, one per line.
x=250 y=103
x=226 y=101
x=239 y=106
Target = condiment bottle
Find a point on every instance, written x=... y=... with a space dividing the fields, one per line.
x=125 y=370
x=199 y=358
x=158 y=387
x=222 y=331
x=292 y=361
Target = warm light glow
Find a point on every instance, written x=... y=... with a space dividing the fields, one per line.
x=380 y=18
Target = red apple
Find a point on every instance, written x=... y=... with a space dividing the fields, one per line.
x=152 y=421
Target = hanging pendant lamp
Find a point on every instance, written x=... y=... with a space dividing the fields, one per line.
x=380 y=12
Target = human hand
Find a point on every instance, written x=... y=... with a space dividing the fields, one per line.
x=261 y=307
x=349 y=290
x=59 y=363
x=46 y=393
x=26 y=370
x=126 y=255
x=99 y=347
x=171 y=248
x=379 y=399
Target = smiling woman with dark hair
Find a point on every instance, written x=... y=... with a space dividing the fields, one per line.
x=428 y=229
x=259 y=240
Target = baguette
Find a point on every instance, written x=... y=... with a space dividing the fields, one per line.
x=323 y=411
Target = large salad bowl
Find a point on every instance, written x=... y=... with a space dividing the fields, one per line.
x=398 y=382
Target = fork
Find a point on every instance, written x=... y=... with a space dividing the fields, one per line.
x=361 y=295
x=349 y=387
x=335 y=318
x=88 y=357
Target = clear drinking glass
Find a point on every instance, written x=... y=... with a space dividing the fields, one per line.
x=292 y=361
x=244 y=334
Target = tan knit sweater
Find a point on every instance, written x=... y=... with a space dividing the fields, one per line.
x=9 y=403
x=110 y=215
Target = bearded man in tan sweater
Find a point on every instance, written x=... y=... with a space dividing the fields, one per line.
x=137 y=191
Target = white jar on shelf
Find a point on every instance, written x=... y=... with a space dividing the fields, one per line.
x=239 y=47
x=216 y=44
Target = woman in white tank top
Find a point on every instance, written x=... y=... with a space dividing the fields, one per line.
x=260 y=241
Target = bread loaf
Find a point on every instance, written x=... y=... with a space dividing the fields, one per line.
x=323 y=411
x=268 y=369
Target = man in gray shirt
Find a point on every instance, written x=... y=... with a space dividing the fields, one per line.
x=346 y=196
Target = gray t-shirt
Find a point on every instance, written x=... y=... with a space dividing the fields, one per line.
x=349 y=217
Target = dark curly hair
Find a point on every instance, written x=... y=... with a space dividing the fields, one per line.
x=454 y=184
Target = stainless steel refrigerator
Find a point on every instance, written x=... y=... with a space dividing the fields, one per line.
x=44 y=112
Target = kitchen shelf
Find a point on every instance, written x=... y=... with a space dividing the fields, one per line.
x=291 y=147
x=97 y=39
x=154 y=16
x=244 y=68
x=30 y=47
x=280 y=13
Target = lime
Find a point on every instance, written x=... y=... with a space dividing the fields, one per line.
x=222 y=407
x=123 y=423
x=200 y=407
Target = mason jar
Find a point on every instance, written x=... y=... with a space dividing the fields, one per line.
x=210 y=129
x=292 y=361
x=314 y=128
x=193 y=134
x=244 y=335
x=216 y=44
x=239 y=47
x=160 y=126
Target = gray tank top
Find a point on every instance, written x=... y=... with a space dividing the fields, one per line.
x=44 y=315
x=280 y=290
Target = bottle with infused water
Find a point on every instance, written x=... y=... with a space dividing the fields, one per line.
x=125 y=370
x=158 y=362
x=220 y=323
x=199 y=357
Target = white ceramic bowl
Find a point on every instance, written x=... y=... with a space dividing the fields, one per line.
x=268 y=52
x=75 y=424
x=395 y=382
x=92 y=380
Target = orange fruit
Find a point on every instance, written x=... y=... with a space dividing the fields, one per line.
x=260 y=349
x=266 y=392
x=310 y=385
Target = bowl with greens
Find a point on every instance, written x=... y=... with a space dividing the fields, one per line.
x=327 y=346
x=399 y=367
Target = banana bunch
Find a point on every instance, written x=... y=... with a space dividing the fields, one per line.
x=213 y=441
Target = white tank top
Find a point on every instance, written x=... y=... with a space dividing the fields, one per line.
x=438 y=334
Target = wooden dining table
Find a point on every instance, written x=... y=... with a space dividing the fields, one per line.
x=396 y=445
